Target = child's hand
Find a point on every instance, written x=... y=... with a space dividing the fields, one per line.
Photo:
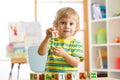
x=49 y=31
x=57 y=51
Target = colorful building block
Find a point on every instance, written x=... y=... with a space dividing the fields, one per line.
x=68 y=76
x=61 y=76
x=55 y=76
x=75 y=76
x=54 y=34
x=33 y=76
x=82 y=75
x=47 y=76
x=93 y=75
x=40 y=76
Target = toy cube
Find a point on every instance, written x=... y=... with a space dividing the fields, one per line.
x=75 y=76
x=82 y=75
x=33 y=76
x=93 y=75
x=68 y=76
x=61 y=76
x=54 y=34
x=40 y=76
x=55 y=76
x=47 y=76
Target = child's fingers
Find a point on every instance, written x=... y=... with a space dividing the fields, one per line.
x=56 y=47
x=50 y=30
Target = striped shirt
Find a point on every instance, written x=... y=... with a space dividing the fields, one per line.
x=57 y=63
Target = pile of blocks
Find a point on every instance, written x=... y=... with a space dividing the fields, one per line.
x=63 y=76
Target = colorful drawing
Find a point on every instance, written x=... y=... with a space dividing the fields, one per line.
x=16 y=32
x=10 y=47
x=14 y=29
x=16 y=51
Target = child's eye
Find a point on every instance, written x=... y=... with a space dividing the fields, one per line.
x=62 y=22
x=71 y=24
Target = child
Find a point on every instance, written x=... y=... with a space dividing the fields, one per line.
x=64 y=51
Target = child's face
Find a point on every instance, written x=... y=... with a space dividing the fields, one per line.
x=66 y=27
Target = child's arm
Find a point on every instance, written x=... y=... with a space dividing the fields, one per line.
x=74 y=61
x=43 y=48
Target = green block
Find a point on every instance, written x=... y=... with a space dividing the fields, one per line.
x=31 y=76
x=48 y=77
x=93 y=75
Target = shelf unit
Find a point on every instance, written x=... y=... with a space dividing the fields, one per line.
x=111 y=24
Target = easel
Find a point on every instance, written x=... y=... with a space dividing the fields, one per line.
x=18 y=61
x=22 y=35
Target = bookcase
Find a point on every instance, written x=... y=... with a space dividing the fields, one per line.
x=109 y=40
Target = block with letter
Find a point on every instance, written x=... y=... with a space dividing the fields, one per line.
x=68 y=76
x=82 y=75
x=33 y=76
x=47 y=76
x=55 y=76
x=54 y=34
x=93 y=75
x=40 y=76
x=62 y=76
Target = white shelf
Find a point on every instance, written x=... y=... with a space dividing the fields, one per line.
x=98 y=20
x=99 y=45
x=115 y=70
x=114 y=18
x=111 y=24
x=100 y=70
x=114 y=44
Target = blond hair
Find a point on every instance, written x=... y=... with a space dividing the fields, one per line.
x=67 y=12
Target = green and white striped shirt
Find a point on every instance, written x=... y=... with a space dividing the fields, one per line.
x=56 y=63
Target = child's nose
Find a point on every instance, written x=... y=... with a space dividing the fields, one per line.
x=67 y=25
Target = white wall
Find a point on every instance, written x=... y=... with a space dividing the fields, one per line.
x=23 y=10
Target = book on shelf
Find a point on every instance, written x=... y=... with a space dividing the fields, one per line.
x=103 y=11
x=102 y=58
x=98 y=11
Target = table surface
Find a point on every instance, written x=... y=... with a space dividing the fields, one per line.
x=104 y=79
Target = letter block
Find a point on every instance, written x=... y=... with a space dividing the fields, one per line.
x=82 y=75
x=93 y=75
